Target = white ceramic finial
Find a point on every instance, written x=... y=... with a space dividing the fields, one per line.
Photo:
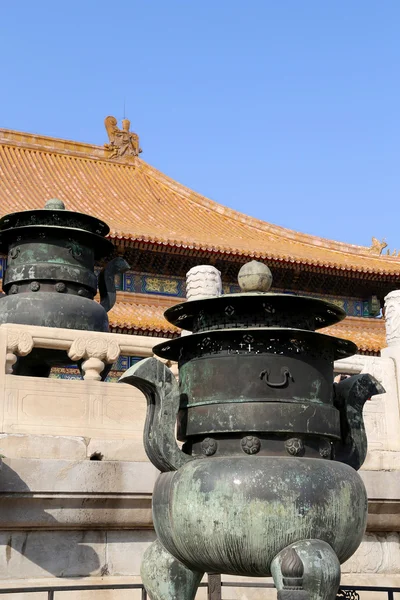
x=202 y=282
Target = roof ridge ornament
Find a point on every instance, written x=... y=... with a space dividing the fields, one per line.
x=377 y=246
x=392 y=252
x=122 y=142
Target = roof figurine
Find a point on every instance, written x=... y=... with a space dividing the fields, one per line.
x=377 y=246
x=123 y=143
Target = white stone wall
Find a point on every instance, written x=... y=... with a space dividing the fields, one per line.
x=44 y=554
x=114 y=556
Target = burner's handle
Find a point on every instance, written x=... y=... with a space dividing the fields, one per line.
x=158 y=384
x=286 y=377
x=108 y=293
x=350 y=395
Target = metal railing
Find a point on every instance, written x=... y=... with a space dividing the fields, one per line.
x=51 y=590
x=346 y=592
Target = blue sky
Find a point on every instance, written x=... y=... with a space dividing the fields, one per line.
x=287 y=110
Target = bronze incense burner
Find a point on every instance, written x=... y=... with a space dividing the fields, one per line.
x=50 y=279
x=266 y=481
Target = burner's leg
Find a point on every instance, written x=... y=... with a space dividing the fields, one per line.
x=165 y=578
x=306 y=570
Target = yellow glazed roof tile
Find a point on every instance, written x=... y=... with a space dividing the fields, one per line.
x=139 y=318
x=142 y=204
x=368 y=334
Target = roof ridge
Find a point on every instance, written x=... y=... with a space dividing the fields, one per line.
x=44 y=143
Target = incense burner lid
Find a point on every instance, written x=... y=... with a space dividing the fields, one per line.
x=57 y=215
x=256 y=309
x=55 y=222
x=255 y=341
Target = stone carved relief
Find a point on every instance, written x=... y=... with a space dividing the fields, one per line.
x=32 y=406
x=97 y=352
x=11 y=404
x=122 y=142
x=392 y=318
x=375 y=426
x=94 y=347
x=376 y=367
x=19 y=343
x=96 y=410
x=378 y=553
x=378 y=416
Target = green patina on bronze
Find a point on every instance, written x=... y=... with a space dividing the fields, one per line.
x=266 y=481
x=50 y=279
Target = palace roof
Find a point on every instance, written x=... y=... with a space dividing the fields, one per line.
x=144 y=206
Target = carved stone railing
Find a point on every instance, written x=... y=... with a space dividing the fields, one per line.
x=363 y=364
x=95 y=349
x=95 y=410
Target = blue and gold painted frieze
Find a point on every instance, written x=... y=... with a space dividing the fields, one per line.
x=120 y=366
x=143 y=283
x=175 y=287
x=353 y=307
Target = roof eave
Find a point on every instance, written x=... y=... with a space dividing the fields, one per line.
x=234 y=253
